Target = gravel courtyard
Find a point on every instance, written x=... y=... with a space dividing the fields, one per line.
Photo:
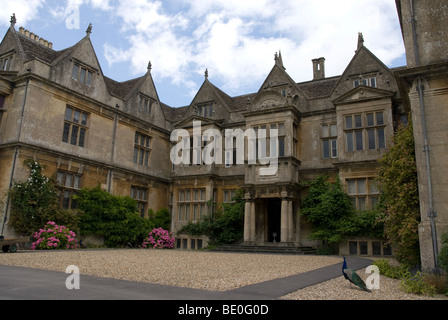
x=206 y=270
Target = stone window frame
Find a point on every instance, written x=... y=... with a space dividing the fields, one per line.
x=281 y=147
x=206 y=110
x=145 y=103
x=82 y=73
x=142 y=149
x=365 y=195
x=378 y=128
x=140 y=195
x=228 y=195
x=295 y=140
x=227 y=154
x=2 y=107
x=358 y=131
x=369 y=81
x=191 y=204
x=68 y=187
x=329 y=141
x=76 y=137
x=6 y=62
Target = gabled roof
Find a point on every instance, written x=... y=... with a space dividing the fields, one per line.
x=173 y=115
x=218 y=94
x=31 y=49
x=241 y=102
x=121 y=89
x=186 y=122
x=318 y=89
x=361 y=50
x=362 y=93
x=228 y=101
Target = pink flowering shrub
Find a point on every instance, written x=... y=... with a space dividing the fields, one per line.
x=52 y=237
x=159 y=239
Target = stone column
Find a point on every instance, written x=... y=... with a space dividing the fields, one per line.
x=284 y=221
x=290 y=222
x=252 y=221
x=247 y=220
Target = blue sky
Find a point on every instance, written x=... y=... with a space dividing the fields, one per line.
x=234 y=39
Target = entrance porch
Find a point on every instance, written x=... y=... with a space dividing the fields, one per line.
x=270 y=221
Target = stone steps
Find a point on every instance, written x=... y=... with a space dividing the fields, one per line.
x=268 y=248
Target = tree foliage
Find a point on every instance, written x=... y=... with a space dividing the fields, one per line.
x=397 y=181
x=225 y=226
x=113 y=217
x=443 y=255
x=325 y=206
x=332 y=215
x=35 y=201
x=161 y=218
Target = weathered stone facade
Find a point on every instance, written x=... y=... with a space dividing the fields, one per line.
x=59 y=109
x=86 y=129
x=424 y=86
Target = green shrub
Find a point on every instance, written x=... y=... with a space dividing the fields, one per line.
x=113 y=217
x=331 y=213
x=326 y=206
x=224 y=227
x=397 y=182
x=443 y=255
x=416 y=284
x=35 y=201
x=54 y=237
x=438 y=280
x=161 y=218
x=387 y=270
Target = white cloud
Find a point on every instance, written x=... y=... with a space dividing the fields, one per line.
x=236 y=39
x=153 y=36
x=95 y=4
x=25 y=10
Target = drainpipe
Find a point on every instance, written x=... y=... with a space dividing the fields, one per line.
x=412 y=19
x=432 y=214
x=112 y=156
x=16 y=153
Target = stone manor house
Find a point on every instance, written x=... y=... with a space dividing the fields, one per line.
x=58 y=108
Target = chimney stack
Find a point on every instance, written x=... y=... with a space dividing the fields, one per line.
x=318 y=69
x=35 y=37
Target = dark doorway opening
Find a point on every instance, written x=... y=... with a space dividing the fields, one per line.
x=274 y=219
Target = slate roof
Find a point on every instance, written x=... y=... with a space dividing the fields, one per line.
x=318 y=89
x=225 y=97
x=34 y=50
x=240 y=102
x=173 y=114
x=121 y=89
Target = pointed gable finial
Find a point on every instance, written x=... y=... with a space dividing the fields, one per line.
x=206 y=74
x=149 y=66
x=13 y=20
x=360 y=40
x=89 y=30
x=279 y=60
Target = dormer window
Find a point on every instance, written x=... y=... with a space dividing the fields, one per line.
x=145 y=103
x=368 y=82
x=206 y=110
x=5 y=63
x=82 y=74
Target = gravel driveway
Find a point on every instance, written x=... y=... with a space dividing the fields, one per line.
x=205 y=270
